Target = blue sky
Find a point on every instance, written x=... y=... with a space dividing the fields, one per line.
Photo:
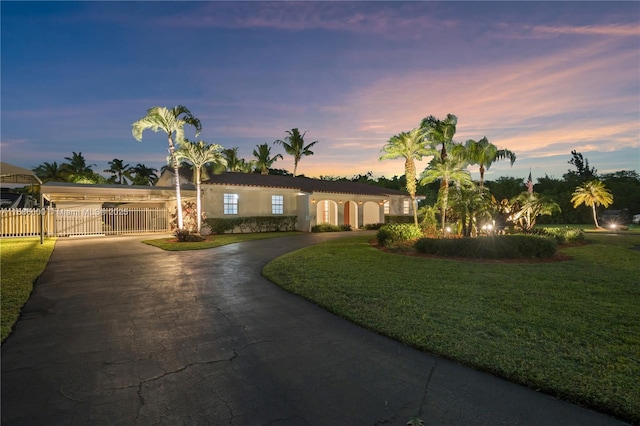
x=538 y=78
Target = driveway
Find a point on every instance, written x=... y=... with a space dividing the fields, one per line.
x=121 y=333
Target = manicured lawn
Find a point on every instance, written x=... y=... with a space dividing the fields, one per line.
x=171 y=244
x=22 y=260
x=570 y=329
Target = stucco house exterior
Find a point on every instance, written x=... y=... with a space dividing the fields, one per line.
x=312 y=201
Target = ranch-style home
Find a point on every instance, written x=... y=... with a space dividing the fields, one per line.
x=312 y=201
x=70 y=209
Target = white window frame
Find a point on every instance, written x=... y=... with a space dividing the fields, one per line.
x=230 y=204
x=277 y=204
x=406 y=206
x=386 y=207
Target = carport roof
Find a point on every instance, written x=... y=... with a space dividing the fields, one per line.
x=14 y=174
x=64 y=191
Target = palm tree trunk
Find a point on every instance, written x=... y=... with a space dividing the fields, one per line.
x=198 y=201
x=176 y=169
x=481 y=175
x=595 y=217
x=445 y=196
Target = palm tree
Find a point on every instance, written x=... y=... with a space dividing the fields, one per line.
x=234 y=163
x=410 y=146
x=264 y=158
x=77 y=168
x=531 y=206
x=294 y=145
x=593 y=194
x=472 y=204
x=51 y=172
x=143 y=175
x=482 y=153
x=199 y=154
x=171 y=122
x=450 y=170
x=120 y=171
x=439 y=132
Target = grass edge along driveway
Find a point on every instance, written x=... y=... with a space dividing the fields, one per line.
x=569 y=329
x=211 y=241
x=22 y=260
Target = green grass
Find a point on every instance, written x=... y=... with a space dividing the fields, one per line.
x=22 y=260
x=211 y=241
x=570 y=329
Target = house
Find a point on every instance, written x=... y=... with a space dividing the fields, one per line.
x=312 y=201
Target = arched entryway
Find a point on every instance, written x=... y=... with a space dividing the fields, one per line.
x=327 y=212
x=350 y=214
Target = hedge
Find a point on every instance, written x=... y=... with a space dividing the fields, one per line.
x=252 y=224
x=490 y=247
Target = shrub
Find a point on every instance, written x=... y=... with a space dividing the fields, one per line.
x=373 y=226
x=345 y=227
x=253 y=224
x=564 y=235
x=326 y=227
x=183 y=235
x=397 y=233
x=491 y=247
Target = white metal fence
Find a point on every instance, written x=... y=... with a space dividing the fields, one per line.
x=82 y=221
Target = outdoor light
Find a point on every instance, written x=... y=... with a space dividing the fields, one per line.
x=613 y=225
x=313 y=201
x=448 y=229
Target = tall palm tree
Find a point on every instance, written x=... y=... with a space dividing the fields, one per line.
x=199 y=154
x=294 y=145
x=592 y=193
x=482 y=153
x=264 y=159
x=439 y=132
x=450 y=170
x=143 y=175
x=120 y=171
x=51 y=172
x=171 y=122
x=234 y=163
x=410 y=146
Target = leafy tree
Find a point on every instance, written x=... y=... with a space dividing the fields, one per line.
x=171 y=122
x=439 y=132
x=294 y=145
x=199 y=154
x=450 y=170
x=264 y=159
x=143 y=175
x=583 y=172
x=120 y=171
x=505 y=187
x=529 y=206
x=482 y=153
x=51 y=172
x=592 y=193
x=410 y=146
x=625 y=187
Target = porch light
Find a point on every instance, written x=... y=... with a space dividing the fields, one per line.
x=340 y=201
x=313 y=201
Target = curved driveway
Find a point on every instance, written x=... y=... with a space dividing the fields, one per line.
x=121 y=333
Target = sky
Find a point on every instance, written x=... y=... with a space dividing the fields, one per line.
x=538 y=78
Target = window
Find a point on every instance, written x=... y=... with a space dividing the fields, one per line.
x=405 y=206
x=230 y=204
x=277 y=204
x=386 y=207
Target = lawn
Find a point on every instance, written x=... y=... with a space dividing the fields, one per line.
x=570 y=329
x=22 y=260
x=211 y=241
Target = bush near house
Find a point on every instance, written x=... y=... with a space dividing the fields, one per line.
x=398 y=233
x=327 y=227
x=252 y=224
x=490 y=247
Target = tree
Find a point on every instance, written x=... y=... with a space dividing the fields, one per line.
x=482 y=153
x=471 y=203
x=51 y=172
x=235 y=163
x=77 y=168
x=439 y=132
x=120 y=171
x=450 y=170
x=592 y=193
x=294 y=145
x=410 y=146
x=143 y=175
x=532 y=205
x=264 y=159
x=199 y=154
x=583 y=172
x=171 y=122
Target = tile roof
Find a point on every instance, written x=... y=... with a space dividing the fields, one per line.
x=303 y=184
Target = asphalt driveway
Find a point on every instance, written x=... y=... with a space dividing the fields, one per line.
x=121 y=333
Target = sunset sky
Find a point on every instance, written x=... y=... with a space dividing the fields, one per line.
x=538 y=78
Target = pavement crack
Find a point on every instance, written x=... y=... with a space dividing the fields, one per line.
x=426 y=388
